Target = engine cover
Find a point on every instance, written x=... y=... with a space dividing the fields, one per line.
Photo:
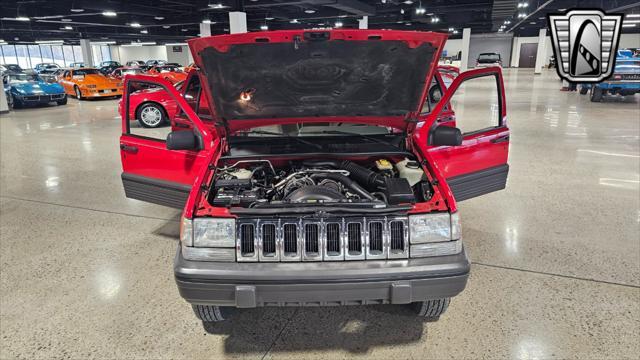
x=314 y=193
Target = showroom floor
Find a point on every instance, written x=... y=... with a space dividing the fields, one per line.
x=86 y=272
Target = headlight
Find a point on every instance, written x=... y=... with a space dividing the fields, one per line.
x=208 y=239
x=434 y=235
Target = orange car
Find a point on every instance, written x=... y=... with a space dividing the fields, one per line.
x=89 y=83
x=170 y=73
x=189 y=67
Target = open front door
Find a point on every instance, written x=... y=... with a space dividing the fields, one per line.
x=150 y=170
x=475 y=104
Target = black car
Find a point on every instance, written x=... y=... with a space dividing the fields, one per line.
x=10 y=69
x=137 y=64
x=106 y=67
x=151 y=63
x=46 y=68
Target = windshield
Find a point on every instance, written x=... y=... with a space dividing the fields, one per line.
x=23 y=78
x=489 y=57
x=132 y=71
x=82 y=72
x=322 y=129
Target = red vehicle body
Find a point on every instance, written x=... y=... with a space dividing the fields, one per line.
x=207 y=142
x=170 y=73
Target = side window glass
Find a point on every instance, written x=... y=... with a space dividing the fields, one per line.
x=149 y=109
x=433 y=96
x=192 y=92
x=476 y=103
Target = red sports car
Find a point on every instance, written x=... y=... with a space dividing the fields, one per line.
x=120 y=72
x=170 y=73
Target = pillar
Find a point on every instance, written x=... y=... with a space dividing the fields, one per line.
x=237 y=22
x=363 y=23
x=464 y=58
x=542 y=51
x=205 y=30
x=87 y=54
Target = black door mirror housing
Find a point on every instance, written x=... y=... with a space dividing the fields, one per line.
x=445 y=136
x=182 y=140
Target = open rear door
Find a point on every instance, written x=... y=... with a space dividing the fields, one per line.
x=475 y=103
x=150 y=171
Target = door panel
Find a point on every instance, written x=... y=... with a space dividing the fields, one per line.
x=151 y=172
x=479 y=165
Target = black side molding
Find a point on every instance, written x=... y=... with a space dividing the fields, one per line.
x=155 y=191
x=478 y=183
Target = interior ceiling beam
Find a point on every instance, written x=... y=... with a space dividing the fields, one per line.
x=350 y=6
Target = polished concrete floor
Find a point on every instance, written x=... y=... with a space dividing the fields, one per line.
x=87 y=273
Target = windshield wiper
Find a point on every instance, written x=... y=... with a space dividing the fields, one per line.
x=301 y=141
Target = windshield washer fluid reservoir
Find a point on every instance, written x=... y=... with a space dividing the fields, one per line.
x=410 y=170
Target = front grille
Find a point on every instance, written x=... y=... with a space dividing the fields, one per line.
x=57 y=96
x=31 y=98
x=630 y=76
x=332 y=239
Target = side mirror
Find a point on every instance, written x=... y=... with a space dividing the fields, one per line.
x=445 y=136
x=182 y=140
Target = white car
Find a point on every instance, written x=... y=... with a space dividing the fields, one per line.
x=489 y=59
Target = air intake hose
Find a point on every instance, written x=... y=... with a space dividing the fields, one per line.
x=352 y=185
x=370 y=179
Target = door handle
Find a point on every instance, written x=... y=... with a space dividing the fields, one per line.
x=127 y=148
x=500 y=139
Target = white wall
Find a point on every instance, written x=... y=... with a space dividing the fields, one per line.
x=181 y=57
x=452 y=46
x=629 y=41
x=128 y=53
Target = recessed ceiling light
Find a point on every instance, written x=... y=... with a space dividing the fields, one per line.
x=294 y=21
x=532 y=22
x=408 y=23
x=109 y=13
x=217 y=6
x=401 y=11
x=68 y=28
x=264 y=27
x=310 y=11
x=455 y=31
x=66 y=20
x=144 y=32
x=269 y=18
x=165 y=26
x=184 y=29
x=420 y=10
x=76 y=10
x=135 y=24
x=338 y=24
x=206 y=21
x=408 y=2
x=159 y=17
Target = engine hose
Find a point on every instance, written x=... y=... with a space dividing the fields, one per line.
x=370 y=179
x=352 y=185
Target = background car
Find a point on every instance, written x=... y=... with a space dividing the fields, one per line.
x=46 y=68
x=120 y=72
x=10 y=68
x=76 y=65
x=153 y=107
x=489 y=59
x=151 y=63
x=137 y=63
x=89 y=83
x=30 y=89
x=625 y=80
x=107 y=67
x=168 y=72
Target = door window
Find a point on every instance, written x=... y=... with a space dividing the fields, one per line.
x=477 y=104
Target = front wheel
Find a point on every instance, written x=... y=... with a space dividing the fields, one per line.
x=62 y=102
x=584 y=90
x=211 y=313
x=431 y=309
x=151 y=115
x=16 y=103
x=596 y=94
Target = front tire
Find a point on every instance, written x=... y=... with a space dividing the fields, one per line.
x=17 y=104
x=584 y=90
x=78 y=92
x=431 y=309
x=151 y=115
x=596 y=94
x=62 y=102
x=211 y=313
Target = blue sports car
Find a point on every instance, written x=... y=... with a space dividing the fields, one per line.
x=27 y=89
x=625 y=80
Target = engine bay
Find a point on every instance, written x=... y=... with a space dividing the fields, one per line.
x=376 y=183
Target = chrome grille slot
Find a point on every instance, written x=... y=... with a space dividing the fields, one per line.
x=247 y=238
x=268 y=239
x=324 y=239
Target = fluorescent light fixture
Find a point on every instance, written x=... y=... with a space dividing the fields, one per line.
x=310 y=11
x=269 y=18
x=135 y=24
x=144 y=32
x=184 y=29
x=217 y=6
x=49 y=41
x=408 y=2
x=338 y=24
x=632 y=15
x=159 y=17
x=176 y=44
x=140 y=43
x=631 y=21
x=165 y=26
x=532 y=22
x=295 y=21
x=108 y=42
x=408 y=23
x=628 y=25
x=109 y=13
x=206 y=21
x=264 y=27
x=76 y=10
x=22 y=18
x=342 y=16
x=66 y=20
x=68 y=28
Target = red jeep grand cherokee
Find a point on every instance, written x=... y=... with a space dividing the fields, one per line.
x=323 y=172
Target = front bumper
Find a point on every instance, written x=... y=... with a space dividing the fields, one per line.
x=249 y=285
x=107 y=92
x=40 y=98
x=620 y=85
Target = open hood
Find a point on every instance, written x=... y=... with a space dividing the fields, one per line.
x=295 y=76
